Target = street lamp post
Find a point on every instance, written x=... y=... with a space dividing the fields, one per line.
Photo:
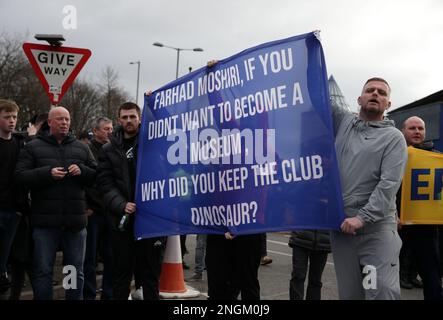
x=158 y=44
x=138 y=78
x=175 y=240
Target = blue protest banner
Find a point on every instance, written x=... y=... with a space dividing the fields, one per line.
x=244 y=146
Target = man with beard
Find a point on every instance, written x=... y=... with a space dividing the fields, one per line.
x=116 y=178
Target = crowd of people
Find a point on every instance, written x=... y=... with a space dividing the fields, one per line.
x=60 y=193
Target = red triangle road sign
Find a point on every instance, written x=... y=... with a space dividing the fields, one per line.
x=56 y=67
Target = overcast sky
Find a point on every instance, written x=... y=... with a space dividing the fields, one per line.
x=399 y=40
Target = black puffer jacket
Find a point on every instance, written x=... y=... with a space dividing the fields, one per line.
x=113 y=177
x=316 y=240
x=94 y=198
x=56 y=203
x=12 y=196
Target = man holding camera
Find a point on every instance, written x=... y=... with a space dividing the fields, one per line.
x=56 y=168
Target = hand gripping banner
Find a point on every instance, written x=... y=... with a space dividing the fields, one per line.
x=244 y=146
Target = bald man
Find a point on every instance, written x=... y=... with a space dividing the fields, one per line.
x=420 y=242
x=56 y=168
x=414 y=131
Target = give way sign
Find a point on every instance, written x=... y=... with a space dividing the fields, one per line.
x=56 y=67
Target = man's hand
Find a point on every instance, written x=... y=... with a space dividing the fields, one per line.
x=212 y=63
x=229 y=236
x=58 y=173
x=89 y=212
x=148 y=93
x=130 y=207
x=351 y=225
x=74 y=170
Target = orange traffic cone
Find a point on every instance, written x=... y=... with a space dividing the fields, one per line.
x=172 y=283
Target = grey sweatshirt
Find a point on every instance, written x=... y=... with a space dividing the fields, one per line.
x=371 y=158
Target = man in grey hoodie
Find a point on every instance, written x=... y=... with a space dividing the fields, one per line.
x=371 y=156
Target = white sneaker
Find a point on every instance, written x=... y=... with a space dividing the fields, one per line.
x=137 y=294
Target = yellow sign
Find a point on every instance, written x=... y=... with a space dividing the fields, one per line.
x=421 y=194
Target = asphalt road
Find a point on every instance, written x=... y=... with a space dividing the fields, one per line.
x=274 y=278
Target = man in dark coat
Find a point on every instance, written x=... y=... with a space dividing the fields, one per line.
x=310 y=246
x=56 y=168
x=99 y=223
x=10 y=210
x=421 y=240
x=116 y=179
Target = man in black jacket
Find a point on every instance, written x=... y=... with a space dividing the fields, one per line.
x=421 y=240
x=116 y=179
x=99 y=224
x=310 y=246
x=10 y=211
x=56 y=168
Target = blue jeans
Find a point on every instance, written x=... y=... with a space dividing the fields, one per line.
x=46 y=244
x=200 y=251
x=8 y=226
x=98 y=239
